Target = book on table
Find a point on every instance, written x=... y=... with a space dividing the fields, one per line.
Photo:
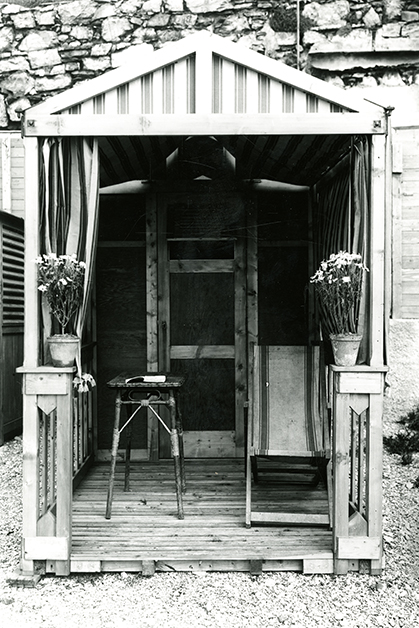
x=146 y=379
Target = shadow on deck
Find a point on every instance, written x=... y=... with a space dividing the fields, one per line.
x=145 y=535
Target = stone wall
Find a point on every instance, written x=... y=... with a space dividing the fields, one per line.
x=46 y=47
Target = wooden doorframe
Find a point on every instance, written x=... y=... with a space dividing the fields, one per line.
x=158 y=307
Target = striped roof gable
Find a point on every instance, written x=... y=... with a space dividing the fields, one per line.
x=203 y=74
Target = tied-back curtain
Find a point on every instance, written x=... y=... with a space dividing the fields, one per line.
x=69 y=207
x=343 y=216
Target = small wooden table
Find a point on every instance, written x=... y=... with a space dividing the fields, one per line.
x=155 y=394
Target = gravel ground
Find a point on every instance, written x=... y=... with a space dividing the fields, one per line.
x=215 y=600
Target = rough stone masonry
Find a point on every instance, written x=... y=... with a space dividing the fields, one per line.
x=47 y=47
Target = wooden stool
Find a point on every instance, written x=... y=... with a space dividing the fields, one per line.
x=154 y=389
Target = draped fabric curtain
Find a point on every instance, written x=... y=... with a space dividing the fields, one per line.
x=343 y=216
x=69 y=201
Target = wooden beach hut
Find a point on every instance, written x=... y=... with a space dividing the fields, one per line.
x=202 y=185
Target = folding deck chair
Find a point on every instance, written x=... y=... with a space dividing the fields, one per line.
x=287 y=437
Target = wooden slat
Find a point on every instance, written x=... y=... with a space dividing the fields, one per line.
x=192 y=352
x=209 y=444
x=228 y=83
x=359 y=383
x=359 y=547
x=51 y=547
x=39 y=125
x=181 y=87
x=252 y=90
x=201 y=266
x=289 y=518
x=203 y=79
x=46 y=383
x=157 y=92
x=240 y=341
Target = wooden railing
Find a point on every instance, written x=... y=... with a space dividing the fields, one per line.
x=57 y=445
x=84 y=410
x=357 y=406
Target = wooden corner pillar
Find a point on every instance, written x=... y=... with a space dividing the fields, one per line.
x=47 y=468
x=377 y=261
x=31 y=335
x=47 y=415
x=357 y=466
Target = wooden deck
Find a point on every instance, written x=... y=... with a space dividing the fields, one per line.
x=144 y=533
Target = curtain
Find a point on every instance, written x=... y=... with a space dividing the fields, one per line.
x=69 y=209
x=343 y=215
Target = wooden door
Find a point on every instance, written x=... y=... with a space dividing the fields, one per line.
x=201 y=314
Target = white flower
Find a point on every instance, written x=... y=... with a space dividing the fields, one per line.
x=84 y=382
x=42 y=288
x=346 y=280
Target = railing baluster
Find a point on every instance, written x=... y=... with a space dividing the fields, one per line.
x=85 y=448
x=53 y=455
x=361 y=463
x=353 y=491
x=43 y=479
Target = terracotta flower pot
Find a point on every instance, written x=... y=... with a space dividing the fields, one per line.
x=345 y=348
x=63 y=349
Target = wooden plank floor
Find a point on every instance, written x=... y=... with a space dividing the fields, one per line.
x=144 y=528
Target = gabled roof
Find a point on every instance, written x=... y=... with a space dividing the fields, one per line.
x=277 y=122
x=203 y=73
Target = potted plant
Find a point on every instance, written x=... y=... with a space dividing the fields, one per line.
x=338 y=287
x=61 y=281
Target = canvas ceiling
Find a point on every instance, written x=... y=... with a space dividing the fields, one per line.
x=299 y=160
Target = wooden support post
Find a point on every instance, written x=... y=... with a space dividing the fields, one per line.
x=396 y=231
x=30 y=476
x=30 y=409
x=240 y=343
x=152 y=305
x=31 y=326
x=387 y=232
x=163 y=312
x=163 y=282
x=377 y=261
x=341 y=474
x=252 y=337
x=64 y=472
x=375 y=472
x=176 y=454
